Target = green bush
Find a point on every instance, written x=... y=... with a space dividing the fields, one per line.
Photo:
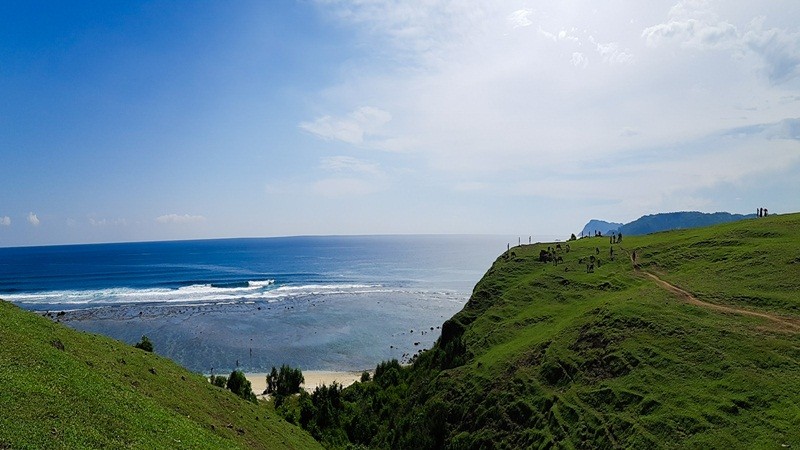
x=285 y=382
x=388 y=373
x=219 y=381
x=240 y=385
x=144 y=344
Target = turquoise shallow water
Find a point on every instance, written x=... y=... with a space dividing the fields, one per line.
x=329 y=303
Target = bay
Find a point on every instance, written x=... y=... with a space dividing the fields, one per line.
x=322 y=303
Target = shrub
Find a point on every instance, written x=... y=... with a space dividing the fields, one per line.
x=285 y=382
x=272 y=379
x=219 y=381
x=365 y=376
x=240 y=385
x=144 y=344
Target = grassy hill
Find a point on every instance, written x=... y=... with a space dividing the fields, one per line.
x=696 y=347
x=60 y=388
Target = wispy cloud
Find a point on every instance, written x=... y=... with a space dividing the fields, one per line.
x=95 y=222
x=354 y=128
x=696 y=25
x=180 y=219
x=352 y=177
x=349 y=164
x=487 y=88
x=5 y=221
x=521 y=18
x=33 y=219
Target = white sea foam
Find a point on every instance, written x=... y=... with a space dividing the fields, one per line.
x=264 y=290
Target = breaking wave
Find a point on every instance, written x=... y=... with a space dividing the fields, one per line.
x=257 y=290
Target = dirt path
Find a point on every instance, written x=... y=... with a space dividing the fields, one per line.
x=781 y=323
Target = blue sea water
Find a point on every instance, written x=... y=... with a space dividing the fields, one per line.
x=327 y=303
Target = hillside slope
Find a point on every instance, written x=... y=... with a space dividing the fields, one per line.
x=67 y=389
x=548 y=355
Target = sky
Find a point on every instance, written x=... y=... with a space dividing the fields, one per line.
x=159 y=120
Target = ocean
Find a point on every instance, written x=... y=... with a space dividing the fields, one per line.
x=319 y=303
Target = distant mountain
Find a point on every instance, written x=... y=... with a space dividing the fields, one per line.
x=599 y=225
x=668 y=221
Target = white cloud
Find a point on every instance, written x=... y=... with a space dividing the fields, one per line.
x=696 y=25
x=579 y=60
x=520 y=18
x=180 y=219
x=105 y=222
x=668 y=178
x=353 y=178
x=352 y=129
x=349 y=164
x=33 y=220
x=547 y=35
x=779 y=50
x=417 y=30
x=5 y=221
x=612 y=53
x=693 y=33
x=489 y=91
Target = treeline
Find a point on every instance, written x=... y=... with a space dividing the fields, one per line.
x=280 y=384
x=377 y=412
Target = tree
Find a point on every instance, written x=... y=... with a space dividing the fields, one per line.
x=219 y=381
x=144 y=344
x=285 y=382
x=240 y=385
x=272 y=381
x=365 y=376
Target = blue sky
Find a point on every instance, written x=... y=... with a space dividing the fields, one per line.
x=178 y=120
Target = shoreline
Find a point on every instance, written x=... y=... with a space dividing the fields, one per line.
x=313 y=379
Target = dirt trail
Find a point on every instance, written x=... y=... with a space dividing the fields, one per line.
x=781 y=323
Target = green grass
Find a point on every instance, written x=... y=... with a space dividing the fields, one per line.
x=101 y=393
x=552 y=356
x=754 y=263
x=542 y=356
x=625 y=363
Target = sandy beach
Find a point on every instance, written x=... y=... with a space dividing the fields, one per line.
x=313 y=378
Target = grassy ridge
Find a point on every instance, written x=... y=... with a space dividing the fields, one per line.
x=101 y=393
x=755 y=263
x=610 y=359
x=553 y=356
